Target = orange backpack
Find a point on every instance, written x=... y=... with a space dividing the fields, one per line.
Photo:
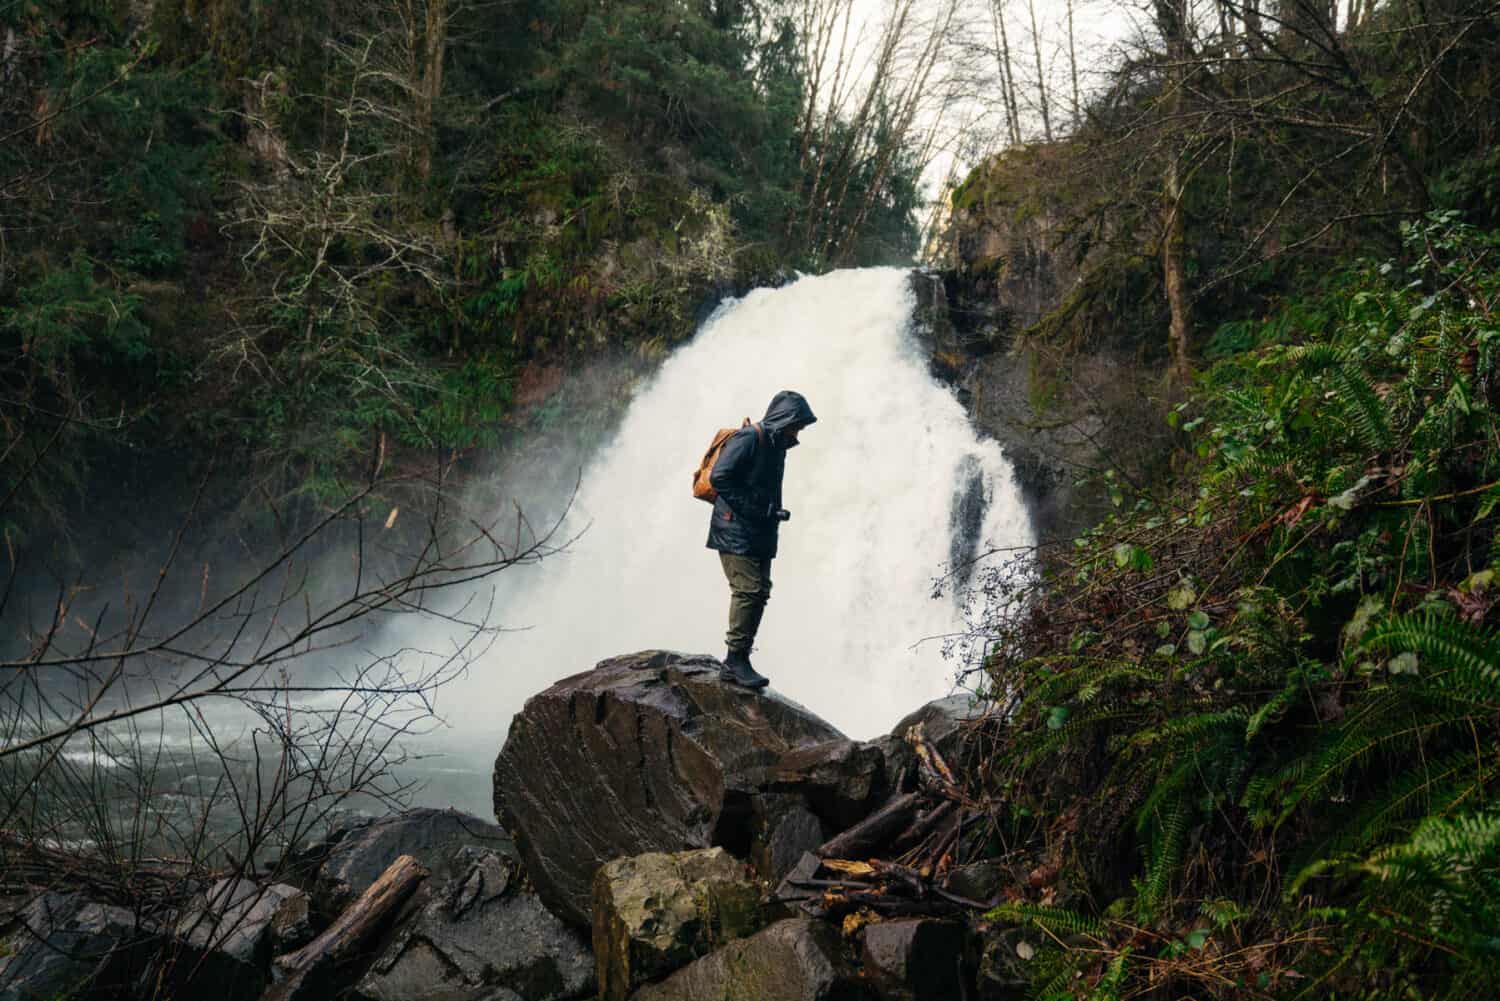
x=703 y=489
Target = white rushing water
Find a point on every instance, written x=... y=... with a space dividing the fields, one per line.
x=851 y=631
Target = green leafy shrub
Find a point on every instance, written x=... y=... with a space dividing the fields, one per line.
x=1278 y=688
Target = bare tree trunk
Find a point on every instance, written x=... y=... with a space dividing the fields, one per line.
x=436 y=48
x=1226 y=20
x=1174 y=271
x=839 y=171
x=1007 y=72
x=1172 y=20
x=1250 y=14
x=1073 y=69
x=1041 y=76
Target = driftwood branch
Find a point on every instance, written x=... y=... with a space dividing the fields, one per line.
x=359 y=922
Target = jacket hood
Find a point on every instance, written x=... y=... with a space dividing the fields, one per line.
x=787 y=408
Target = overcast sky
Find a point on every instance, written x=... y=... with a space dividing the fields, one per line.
x=967 y=131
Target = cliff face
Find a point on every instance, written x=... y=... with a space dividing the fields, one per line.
x=1027 y=322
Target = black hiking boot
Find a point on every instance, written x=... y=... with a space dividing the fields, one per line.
x=737 y=671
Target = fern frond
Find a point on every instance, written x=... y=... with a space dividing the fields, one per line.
x=1461 y=659
x=1071 y=677
x=1055 y=919
x=1276 y=705
x=1193 y=728
x=1430 y=788
x=1109 y=986
x=1364 y=408
x=1468 y=842
x=1164 y=855
x=1385 y=723
x=1057 y=987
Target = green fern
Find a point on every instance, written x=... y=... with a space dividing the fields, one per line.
x=1111 y=984
x=1054 y=919
x=1191 y=729
x=1164 y=854
x=1437 y=788
x=1461 y=659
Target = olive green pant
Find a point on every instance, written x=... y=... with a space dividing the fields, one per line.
x=749 y=589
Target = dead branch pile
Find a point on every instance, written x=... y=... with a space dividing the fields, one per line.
x=896 y=861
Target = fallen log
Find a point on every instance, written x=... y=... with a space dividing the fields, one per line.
x=868 y=834
x=923 y=828
x=348 y=933
x=836 y=902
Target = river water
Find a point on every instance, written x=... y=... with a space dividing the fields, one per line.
x=888 y=491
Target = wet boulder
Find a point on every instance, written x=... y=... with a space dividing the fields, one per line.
x=354 y=855
x=649 y=752
x=228 y=935
x=479 y=935
x=947 y=725
x=783 y=830
x=978 y=881
x=246 y=922
x=67 y=946
x=657 y=912
x=798 y=959
x=841 y=780
x=914 y=959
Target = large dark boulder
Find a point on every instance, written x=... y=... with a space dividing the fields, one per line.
x=355 y=854
x=798 y=959
x=67 y=946
x=480 y=933
x=646 y=753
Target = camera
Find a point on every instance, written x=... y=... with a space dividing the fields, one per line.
x=781 y=514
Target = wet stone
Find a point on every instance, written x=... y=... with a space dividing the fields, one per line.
x=914 y=959
x=649 y=752
x=656 y=912
x=479 y=935
x=798 y=959
x=66 y=946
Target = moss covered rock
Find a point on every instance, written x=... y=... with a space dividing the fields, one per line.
x=657 y=912
x=794 y=960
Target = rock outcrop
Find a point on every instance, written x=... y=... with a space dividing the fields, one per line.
x=645 y=753
x=657 y=912
x=1036 y=322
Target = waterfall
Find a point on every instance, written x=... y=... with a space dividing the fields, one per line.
x=886 y=490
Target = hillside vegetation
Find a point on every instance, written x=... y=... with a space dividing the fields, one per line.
x=288 y=235
x=1250 y=723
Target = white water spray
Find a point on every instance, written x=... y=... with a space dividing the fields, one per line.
x=876 y=491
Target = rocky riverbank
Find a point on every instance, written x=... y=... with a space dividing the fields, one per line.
x=665 y=836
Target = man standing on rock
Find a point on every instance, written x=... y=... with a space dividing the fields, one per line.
x=747 y=517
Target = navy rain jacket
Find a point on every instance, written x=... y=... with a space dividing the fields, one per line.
x=747 y=477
